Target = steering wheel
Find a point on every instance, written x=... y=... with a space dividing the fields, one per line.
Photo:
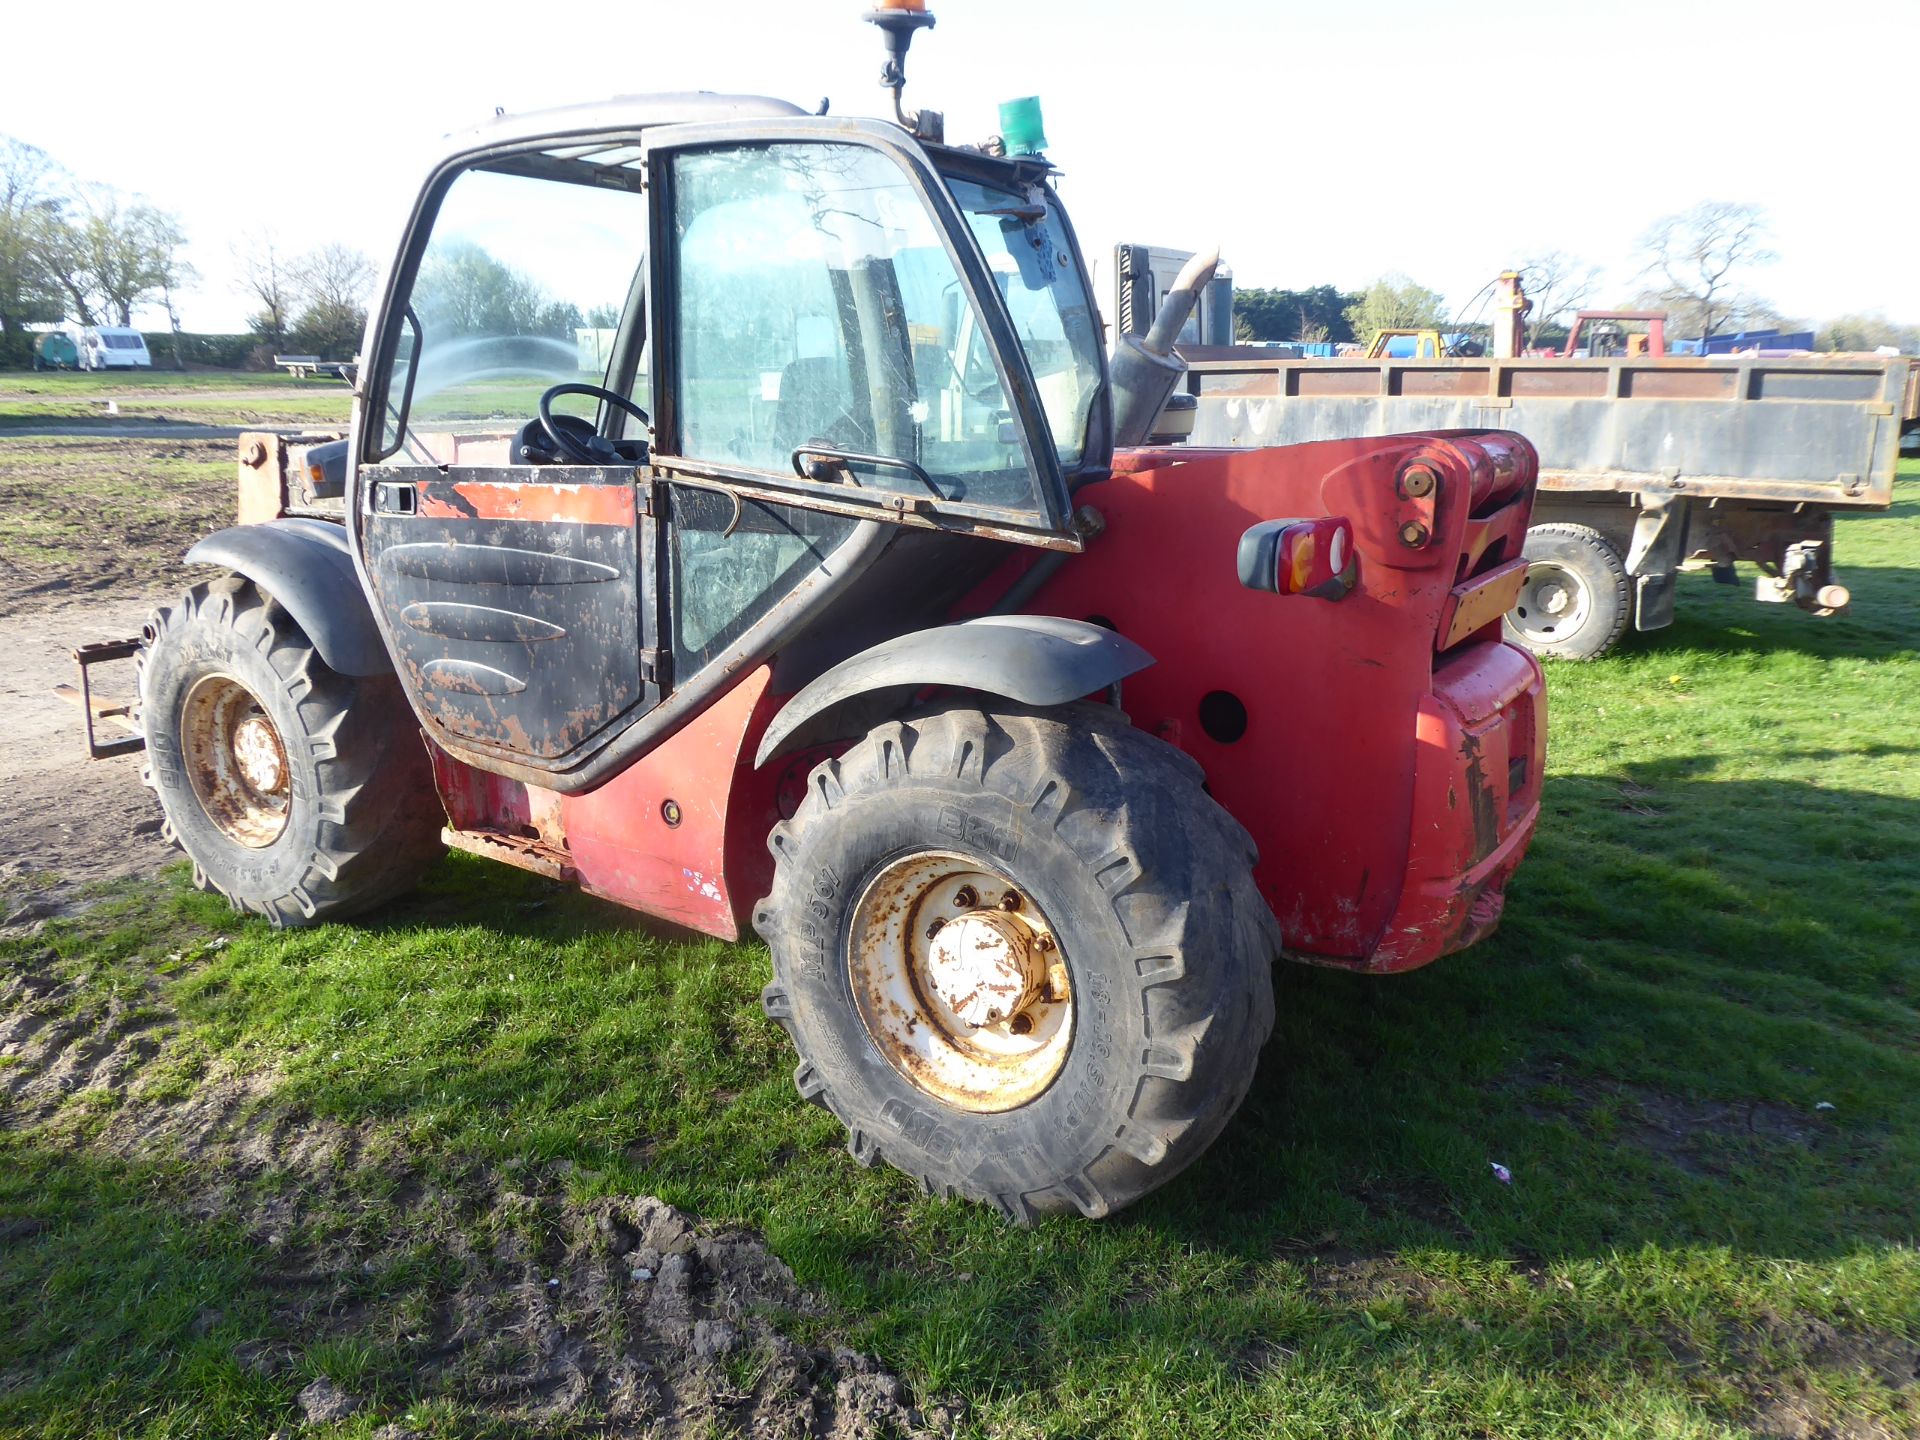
x=571 y=437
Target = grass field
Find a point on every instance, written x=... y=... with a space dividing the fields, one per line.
x=225 y=397
x=206 y=397
x=1695 y=1042
x=57 y=384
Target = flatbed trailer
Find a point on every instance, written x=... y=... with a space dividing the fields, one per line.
x=1645 y=462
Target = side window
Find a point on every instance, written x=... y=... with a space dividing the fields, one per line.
x=522 y=286
x=817 y=306
x=728 y=571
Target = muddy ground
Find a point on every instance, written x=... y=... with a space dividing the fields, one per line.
x=67 y=823
x=91 y=535
x=618 y=1315
x=104 y=516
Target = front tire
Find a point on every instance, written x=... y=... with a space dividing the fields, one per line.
x=1577 y=597
x=1082 y=858
x=299 y=793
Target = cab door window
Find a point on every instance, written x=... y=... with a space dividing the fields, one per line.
x=816 y=305
x=515 y=582
x=521 y=286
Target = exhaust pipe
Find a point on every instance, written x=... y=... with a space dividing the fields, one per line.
x=1146 y=368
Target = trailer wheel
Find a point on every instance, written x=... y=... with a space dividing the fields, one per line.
x=1576 y=600
x=1021 y=955
x=299 y=793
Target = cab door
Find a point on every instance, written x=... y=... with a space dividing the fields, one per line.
x=515 y=583
x=829 y=331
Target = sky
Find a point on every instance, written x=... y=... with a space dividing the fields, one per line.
x=1314 y=143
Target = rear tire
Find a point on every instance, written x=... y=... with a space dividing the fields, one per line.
x=299 y=793
x=1107 y=846
x=1577 y=598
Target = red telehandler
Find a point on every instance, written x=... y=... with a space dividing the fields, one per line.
x=851 y=596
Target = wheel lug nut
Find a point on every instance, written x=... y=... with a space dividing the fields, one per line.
x=934 y=928
x=966 y=899
x=1043 y=942
x=1010 y=900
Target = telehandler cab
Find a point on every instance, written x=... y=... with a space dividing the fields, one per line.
x=849 y=598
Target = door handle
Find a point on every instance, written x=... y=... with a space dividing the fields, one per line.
x=393 y=498
x=845 y=458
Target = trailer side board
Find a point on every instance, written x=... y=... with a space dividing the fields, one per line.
x=1796 y=430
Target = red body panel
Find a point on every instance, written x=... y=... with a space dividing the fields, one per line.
x=704 y=871
x=1390 y=745
x=1373 y=773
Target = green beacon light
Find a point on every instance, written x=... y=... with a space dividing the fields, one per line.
x=1020 y=126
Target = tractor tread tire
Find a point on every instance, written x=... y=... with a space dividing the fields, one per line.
x=1093 y=808
x=1592 y=556
x=372 y=826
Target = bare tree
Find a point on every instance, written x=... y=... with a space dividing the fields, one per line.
x=172 y=270
x=1559 y=284
x=29 y=203
x=265 y=278
x=1695 y=261
x=336 y=275
x=332 y=283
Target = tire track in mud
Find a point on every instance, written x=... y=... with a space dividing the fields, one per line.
x=612 y=1315
x=57 y=1043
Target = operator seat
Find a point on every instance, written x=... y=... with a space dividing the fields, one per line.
x=816 y=405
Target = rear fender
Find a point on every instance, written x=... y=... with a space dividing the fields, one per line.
x=306 y=566
x=1031 y=659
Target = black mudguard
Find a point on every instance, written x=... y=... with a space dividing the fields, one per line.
x=1032 y=659
x=306 y=566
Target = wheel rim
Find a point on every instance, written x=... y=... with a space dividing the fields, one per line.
x=1554 y=603
x=236 y=761
x=961 y=982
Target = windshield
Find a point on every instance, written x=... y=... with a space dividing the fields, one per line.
x=1024 y=239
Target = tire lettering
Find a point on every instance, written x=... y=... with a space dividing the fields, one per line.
x=1086 y=1097
x=922 y=1129
x=811 y=962
x=973 y=830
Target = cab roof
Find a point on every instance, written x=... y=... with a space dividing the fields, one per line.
x=621 y=113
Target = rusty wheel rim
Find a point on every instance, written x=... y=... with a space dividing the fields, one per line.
x=1554 y=603
x=961 y=982
x=236 y=761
